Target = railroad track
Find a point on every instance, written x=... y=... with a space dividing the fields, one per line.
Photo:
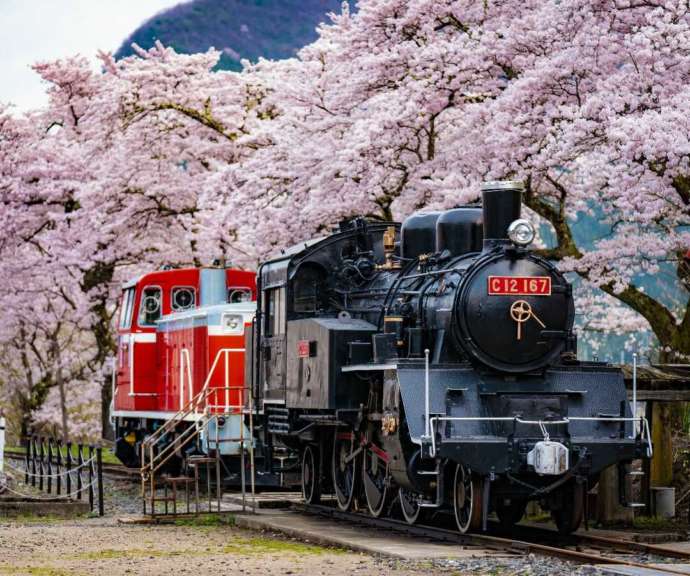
x=583 y=549
x=592 y=541
x=119 y=471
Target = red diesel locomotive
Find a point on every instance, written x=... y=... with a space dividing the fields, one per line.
x=180 y=339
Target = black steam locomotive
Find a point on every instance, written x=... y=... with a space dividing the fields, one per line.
x=433 y=367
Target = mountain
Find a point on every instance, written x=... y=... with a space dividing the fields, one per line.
x=240 y=28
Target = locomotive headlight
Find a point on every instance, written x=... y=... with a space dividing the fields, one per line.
x=233 y=322
x=521 y=232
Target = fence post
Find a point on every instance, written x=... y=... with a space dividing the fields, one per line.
x=59 y=466
x=91 y=477
x=50 y=465
x=41 y=452
x=27 y=457
x=80 y=463
x=99 y=460
x=68 y=475
x=33 y=460
x=2 y=443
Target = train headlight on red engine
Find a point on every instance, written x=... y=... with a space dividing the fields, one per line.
x=233 y=323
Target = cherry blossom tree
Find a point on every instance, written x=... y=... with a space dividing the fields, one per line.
x=399 y=106
x=107 y=182
x=412 y=104
x=39 y=330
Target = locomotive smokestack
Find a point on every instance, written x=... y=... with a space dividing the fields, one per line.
x=501 y=206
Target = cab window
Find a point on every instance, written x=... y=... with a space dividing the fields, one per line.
x=183 y=298
x=308 y=289
x=126 y=308
x=150 y=308
x=274 y=306
x=236 y=295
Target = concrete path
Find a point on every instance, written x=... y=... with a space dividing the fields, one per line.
x=326 y=532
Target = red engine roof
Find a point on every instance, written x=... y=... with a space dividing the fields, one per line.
x=175 y=290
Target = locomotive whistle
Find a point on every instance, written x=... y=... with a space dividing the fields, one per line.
x=521 y=311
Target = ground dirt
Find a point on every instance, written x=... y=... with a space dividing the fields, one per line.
x=212 y=545
x=35 y=546
x=40 y=547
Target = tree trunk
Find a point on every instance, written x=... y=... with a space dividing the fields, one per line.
x=63 y=394
x=609 y=510
x=661 y=473
x=107 y=431
x=101 y=275
x=24 y=427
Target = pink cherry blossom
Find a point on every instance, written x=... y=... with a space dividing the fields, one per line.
x=399 y=105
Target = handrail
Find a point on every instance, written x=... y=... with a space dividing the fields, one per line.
x=181 y=441
x=154 y=462
x=170 y=424
x=190 y=407
x=209 y=410
x=184 y=354
x=643 y=435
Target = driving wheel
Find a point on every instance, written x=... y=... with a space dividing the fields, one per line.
x=409 y=505
x=467 y=499
x=311 y=485
x=375 y=480
x=344 y=467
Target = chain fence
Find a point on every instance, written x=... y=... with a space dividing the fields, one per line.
x=60 y=470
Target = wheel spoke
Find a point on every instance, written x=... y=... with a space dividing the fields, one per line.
x=409 y=505
x=344 y=471
x=375 y=480
x=466 y=499
x=311 y=490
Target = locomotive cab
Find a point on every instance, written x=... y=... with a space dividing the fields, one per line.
x=144 y=301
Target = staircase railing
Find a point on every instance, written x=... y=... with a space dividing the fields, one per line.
x=194 y=403
x=207 y=412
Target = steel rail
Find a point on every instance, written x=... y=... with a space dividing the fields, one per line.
x=500 y=543
x=612 y=543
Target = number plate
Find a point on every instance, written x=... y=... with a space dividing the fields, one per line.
x=519 y=285
x=305 y=349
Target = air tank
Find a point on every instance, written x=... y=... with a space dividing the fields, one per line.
x=418 y=234
x=460 y=230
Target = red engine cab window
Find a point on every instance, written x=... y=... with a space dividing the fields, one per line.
x=126 y=308
x=182 y=298
x=151 y=306
x=239 y=294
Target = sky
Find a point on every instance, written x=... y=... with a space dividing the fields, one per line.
x=39 y=30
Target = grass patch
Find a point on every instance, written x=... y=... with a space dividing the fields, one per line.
x=37 y=518
x=655 y=523
x=239 y=546
x=35 y=571
x=263 y=545
x=207 y=520
x=132 y=553
x=540 y=517
x=109 y=554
